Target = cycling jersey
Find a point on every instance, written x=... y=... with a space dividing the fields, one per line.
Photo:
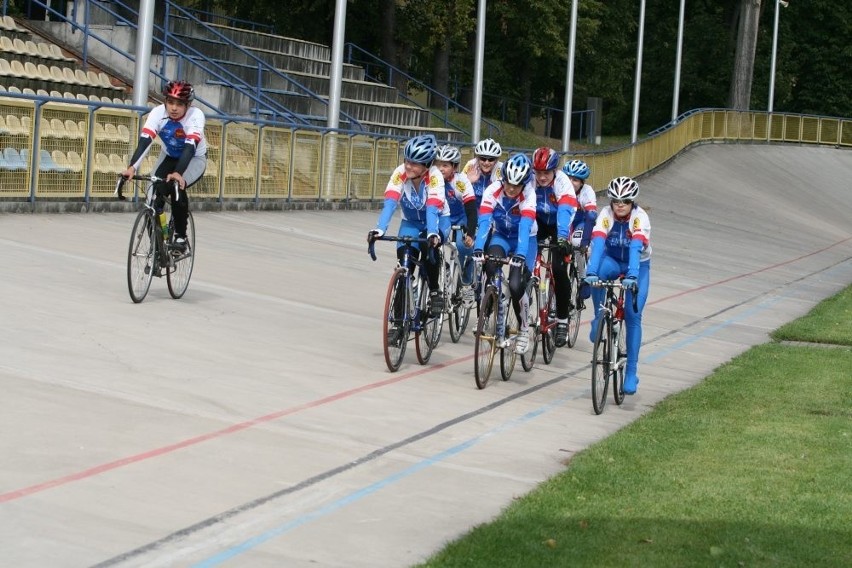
x=175 y=134
x=458 y=192
x=471 y=170
x=421 y=205
x=555 y=203
x=511 y=217
x=620 y=238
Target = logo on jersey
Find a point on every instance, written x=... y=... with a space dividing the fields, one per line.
x=637 y=224
x=180 y=134
x=605 y=223
x=460 y=186
x=397 y=178
x=552 y=198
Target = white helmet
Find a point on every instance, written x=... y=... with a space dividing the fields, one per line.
x=488 y=148
x=518 y=169
x=623 y=188
x=447 y=153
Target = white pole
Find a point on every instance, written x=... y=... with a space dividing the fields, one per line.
x=634 y=135
x=772 y=64
x=676 y=97
x=336 y=79
x=144 y=35
x=477 y=72
x=569 y=80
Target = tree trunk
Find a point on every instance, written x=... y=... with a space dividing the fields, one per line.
x=749 y=18
x=389 y=45
x=440 y=75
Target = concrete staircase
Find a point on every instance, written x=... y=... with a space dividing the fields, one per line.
x=293 y=73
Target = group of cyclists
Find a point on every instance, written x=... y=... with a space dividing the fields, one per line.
x=506 y=208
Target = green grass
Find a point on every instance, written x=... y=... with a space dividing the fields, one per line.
x=829 y=322
x=511 y=136
x=749 y=468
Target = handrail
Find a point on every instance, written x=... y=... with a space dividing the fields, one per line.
x=265 y=28
x=261 y=63
x=349 y=47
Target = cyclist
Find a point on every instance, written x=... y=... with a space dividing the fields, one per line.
x=556 y=203
x=184 y=157
x=621 y=244
x=416 y=187
x=460 y=210
x=485 y=168
x=584 y=219
x=507 y=216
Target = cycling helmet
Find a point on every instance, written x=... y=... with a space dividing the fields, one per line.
x=545 y=158
x=447 y=153
x=577 y=168
x=488 y=148
x=421 y=149
x=623 y=188
x=517 y=169
x=180 y=90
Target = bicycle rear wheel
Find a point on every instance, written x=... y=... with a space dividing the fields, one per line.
x=179 y=270
x=601 y=363
x=459 y=315
x=396 y=325
x=574 y=314
x=427 y=334
x=508 y=357
x=484 y=344
x=528 y=358
x=620 y=362
x=548 y=334
x=142 y=255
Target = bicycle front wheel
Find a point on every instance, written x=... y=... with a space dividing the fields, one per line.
x=620 y=362
x=574 y=314
x=601 y=363
x=548 y=326
x=396 y=325
x=142 y=255
x=485 y=340
x=179 y=270
x=428 y=332
x=533 y=317
x=508 y=357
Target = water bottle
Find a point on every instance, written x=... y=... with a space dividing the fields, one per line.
x=164 y=225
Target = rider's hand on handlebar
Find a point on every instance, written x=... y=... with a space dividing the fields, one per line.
x=374 y=234
x=128 y=173
x=564 y=245
x=434 y=240
x=174 y=176
x=630 y=283
x=517 y=261
x=478 y=256
x=591 y=279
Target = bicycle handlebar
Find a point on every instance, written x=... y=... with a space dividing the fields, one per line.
x=371 y=242
x=119 y=186
x=616 y=284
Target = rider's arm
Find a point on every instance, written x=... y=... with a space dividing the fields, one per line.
x=566 y=204
x=185 y=157
x=604 y=222
x=141 y=150
x=588 y=225
x=470 y=212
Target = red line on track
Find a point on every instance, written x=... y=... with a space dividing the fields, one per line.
x=91 y=472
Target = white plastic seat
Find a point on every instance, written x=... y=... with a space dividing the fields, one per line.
x=28 y=91
x=44 y=51
x=82 y=79
x=111 y=132
x=61 y=160
x=58 y=128
x=14 y=89
x=12 y=26
x=117 y=164
x=94 y=98
x=31 y=70
x=14 y=160
x=75 y=161
x=72 y=129
x=13 y=125
x=56 y=74
x=57 y=53
x=99 y=132
x=82 y=97
x=32 y=48
x=68 y=76
x=123 y=133
x=5 y=68
x=44 y=72
x=102 y=163
x=6 y=44
x=17 y=69
x=19 y=47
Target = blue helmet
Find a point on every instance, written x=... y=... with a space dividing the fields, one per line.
x=577 y=168
x=517 y=170
x=421 y=149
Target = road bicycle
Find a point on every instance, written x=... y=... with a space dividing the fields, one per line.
x=152 y=250
x=497 y=326
x=545 y=299
x=575 y=258
x=609 y=353
x=452 y=275
x=407 y=306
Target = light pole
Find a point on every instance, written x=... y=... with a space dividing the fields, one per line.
x=569 y=80
x=634 y=134
x=676 y=97
x=778 y=4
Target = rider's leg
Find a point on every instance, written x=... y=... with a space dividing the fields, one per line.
x=633 y=323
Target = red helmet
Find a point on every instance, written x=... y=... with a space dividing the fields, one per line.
x=180 y=90
x=545 y=159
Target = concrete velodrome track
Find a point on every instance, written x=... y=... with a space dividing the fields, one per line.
x=253 y=422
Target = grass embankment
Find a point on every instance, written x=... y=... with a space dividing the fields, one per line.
x=749 y=468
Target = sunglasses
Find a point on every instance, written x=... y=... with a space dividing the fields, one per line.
x=621 y=201
x=488 y=159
